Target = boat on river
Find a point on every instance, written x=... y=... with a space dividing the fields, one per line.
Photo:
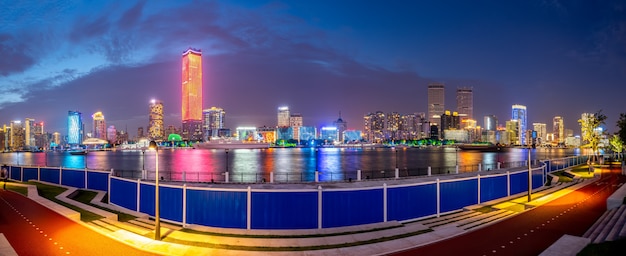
x=230 y=144
x=482 y=147
x=78 y=152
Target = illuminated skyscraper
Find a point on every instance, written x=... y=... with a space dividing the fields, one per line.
x=283 y=116
x=436 y=100
x=295 y=121
x=213 y=121
x=394 y=121
x=192 y=94
x=29 y=132
x=465 y=103
x=519 y=113
x=342 y=126
x=156 y=130
x=112 y=134
x=99 y=126
x=17 y=136
x=491 y=123
x=74 y=128
x=558 y=129
x=374 y=127
x=542 y=133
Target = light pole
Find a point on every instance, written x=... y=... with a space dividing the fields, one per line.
x=157 y=210
x=396 y=158
x=530 y=176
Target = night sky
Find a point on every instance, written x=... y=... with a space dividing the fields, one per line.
x=317 y=57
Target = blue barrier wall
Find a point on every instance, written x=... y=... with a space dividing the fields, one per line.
x=146 y=199
x=50 y=175
x=226 y=209
x=284 y=210
x=171 y=203
x=72 y=178
x=31 y=174
x=16 y=173
x=537 y=180
x=98 y=181
x=456 y=195
x=519 y=182
x=492 y=188
x=412 y=202
x=347 y=208
x=124 y=194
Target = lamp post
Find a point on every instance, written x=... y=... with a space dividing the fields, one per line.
x=157 y=210
x=530 y=176
x=396 y=158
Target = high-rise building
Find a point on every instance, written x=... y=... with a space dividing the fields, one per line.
x=450 y=121
x=374 y=127
x=409 y=127
x=283 y=116
x=56 y=138
x=213 y=121
x=513 y=132
x=74 y=128
x=140 y=133
x=519 y=113
x=490 y=123
x=29 y=132
x=295 y=121
x=192 y=94
x=436 y=102
x=542 y=133
x=558 y=129
x=156 y=129
x=112 y=134
x=394 y=122
x=99 y=126
x=465 y=103
x=17 y=140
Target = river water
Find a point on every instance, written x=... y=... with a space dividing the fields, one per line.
x=204 y=165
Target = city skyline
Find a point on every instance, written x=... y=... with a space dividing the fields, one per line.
x=115 y=57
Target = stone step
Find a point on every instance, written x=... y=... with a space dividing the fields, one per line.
x=149 y=223
x=482 y=222
x=101 y=224
x=449 y=218
x=596 y=233
x=129 y=227
x=470 y=222
x=595 y=225
x=617 y=226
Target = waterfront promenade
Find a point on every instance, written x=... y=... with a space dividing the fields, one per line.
x=380 y=238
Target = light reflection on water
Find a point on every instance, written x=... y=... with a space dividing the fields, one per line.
x=302 y=162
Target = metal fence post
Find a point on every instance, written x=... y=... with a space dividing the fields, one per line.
x=429 y=171
x=358 y=175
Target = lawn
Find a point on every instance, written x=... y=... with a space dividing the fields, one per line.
x=50 y=192
x=583 y=171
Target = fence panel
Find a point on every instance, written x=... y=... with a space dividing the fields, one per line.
x=72 y=178
x=519 y=182
x=16 y=173
x=31 y=174
x=124 y=193
x=284 y=210
x=492 y=188
x=347 y=208
x=458 y=194
x=226 y=209
x=412 y=202
x=98 y=181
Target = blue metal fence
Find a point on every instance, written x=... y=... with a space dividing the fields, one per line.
x=284 y=210
x=492 y=188
x=72 y=178
x=347 y=208
x=226 y=209
x=412 y=202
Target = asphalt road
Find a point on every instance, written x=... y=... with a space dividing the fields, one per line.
x=531 y=232
x=33 y=229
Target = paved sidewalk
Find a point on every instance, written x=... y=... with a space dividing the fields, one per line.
x=372 y=239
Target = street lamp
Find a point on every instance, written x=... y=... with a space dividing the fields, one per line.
x=226 y=160
x=530 y=176
x=157 y=220
x=396 y=158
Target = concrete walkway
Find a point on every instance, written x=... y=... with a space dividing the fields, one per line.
x=371 y=239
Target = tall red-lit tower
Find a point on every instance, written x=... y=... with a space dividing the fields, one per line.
x=192 y=95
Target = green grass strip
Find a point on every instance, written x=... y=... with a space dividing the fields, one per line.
x=85 y=197
x=50 y=192
x=303 y=248
x=18 y=189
